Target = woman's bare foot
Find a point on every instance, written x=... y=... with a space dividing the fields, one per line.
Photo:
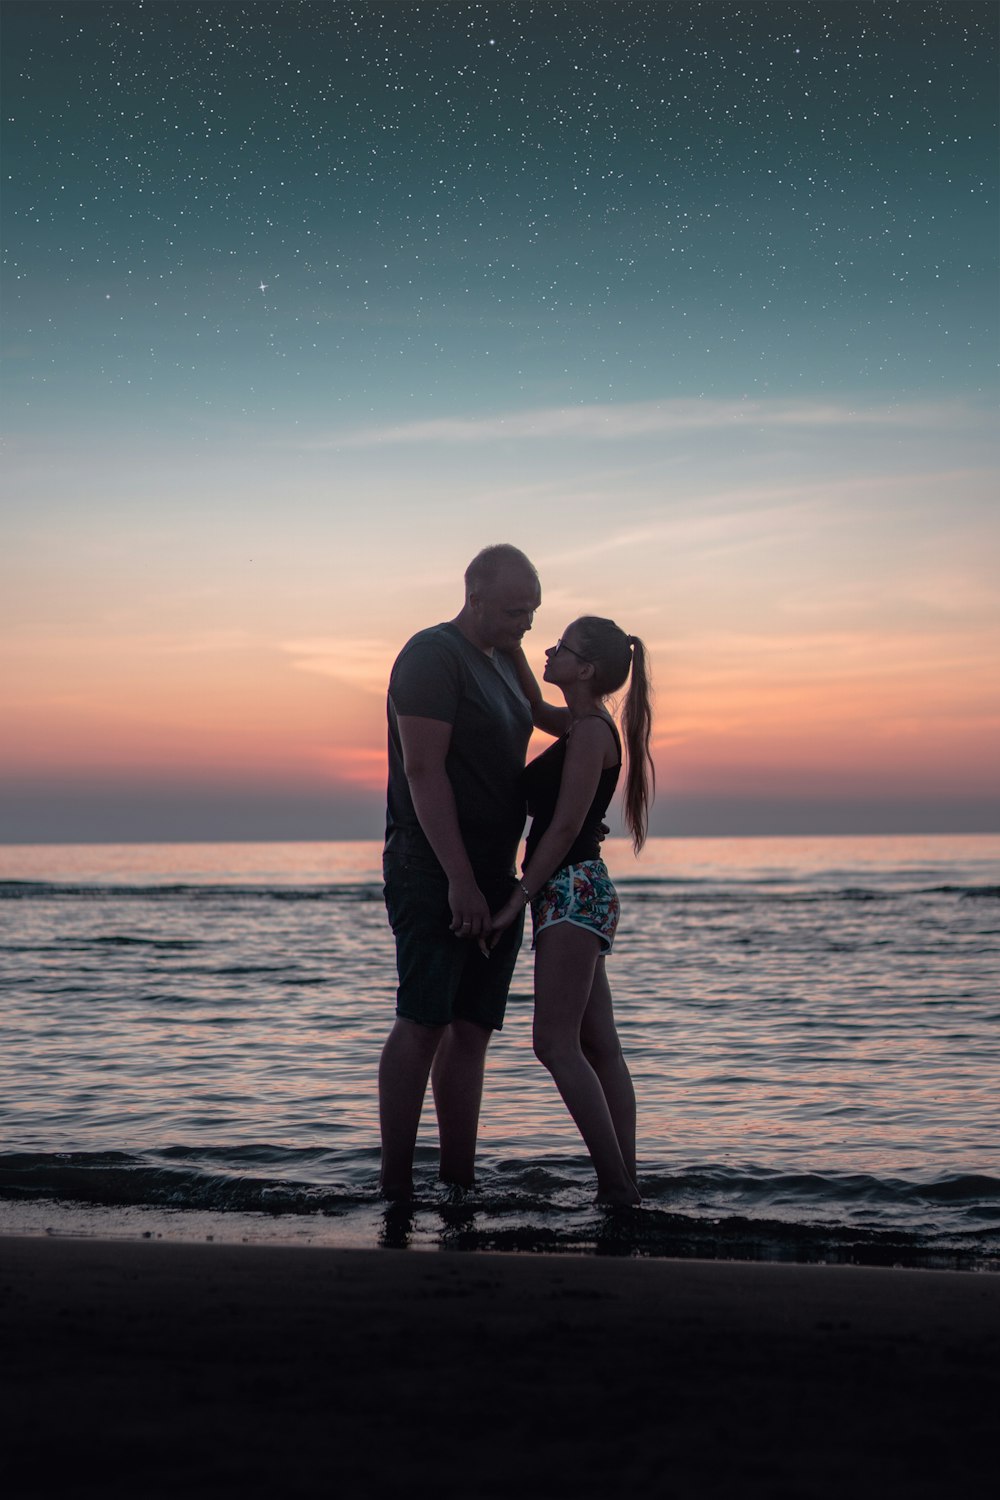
x=623 y=1197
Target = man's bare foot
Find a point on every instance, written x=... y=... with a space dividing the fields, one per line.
x=396 y=1192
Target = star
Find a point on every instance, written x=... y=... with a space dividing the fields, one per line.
x=264 y=286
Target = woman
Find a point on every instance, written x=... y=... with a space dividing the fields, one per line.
x=574 y=906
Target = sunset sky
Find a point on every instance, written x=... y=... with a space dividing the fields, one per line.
x=305 y=303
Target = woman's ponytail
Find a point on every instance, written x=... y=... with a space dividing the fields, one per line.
x=614 y=655
x=637 y=724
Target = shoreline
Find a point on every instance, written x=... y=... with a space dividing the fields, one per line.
x=473 y=1228
x=167 y=1368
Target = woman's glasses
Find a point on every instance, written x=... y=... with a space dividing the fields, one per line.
x=562 y=646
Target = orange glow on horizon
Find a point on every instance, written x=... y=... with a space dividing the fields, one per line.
x=785 y=712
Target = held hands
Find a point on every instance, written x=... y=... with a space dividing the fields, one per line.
x=470 y=914
x=506 y=914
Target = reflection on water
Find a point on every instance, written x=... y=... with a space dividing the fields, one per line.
x=967 y=858
x=819 y=1009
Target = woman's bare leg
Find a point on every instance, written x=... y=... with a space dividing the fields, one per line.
x=566 y=958
x=602 y=1049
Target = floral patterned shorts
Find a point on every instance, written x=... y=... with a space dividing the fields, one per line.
x=580 y=894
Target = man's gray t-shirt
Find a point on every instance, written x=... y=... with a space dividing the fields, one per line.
x=440 y=675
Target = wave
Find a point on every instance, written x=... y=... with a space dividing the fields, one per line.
x=708 y=1211
x=114 y=1179
x=794 y=890
x=855 y=1184
x=50 y=890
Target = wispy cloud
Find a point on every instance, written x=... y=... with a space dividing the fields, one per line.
x=118 y=640
x=759 y=512
x=361 y=664
x=649 y=418
x=358 y=767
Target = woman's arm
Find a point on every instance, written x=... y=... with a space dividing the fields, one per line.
x=543 y=715
x=585 y=752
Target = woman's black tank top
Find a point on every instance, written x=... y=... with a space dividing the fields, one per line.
x=542 y=777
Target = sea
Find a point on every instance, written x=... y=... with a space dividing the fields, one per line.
x=190 y=1033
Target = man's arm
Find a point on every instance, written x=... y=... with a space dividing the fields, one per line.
x=543 y=715
x=425 y=745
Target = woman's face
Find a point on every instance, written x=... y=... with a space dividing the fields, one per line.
x=564 y=660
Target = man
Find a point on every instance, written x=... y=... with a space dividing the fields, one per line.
x=459 y=727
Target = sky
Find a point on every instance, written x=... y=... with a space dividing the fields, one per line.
x=304 y=303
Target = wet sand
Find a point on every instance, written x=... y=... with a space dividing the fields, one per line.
x=157 y=1369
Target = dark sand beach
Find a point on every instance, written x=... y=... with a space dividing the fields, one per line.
x=159 y=1369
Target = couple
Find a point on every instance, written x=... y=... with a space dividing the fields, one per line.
x=462 y=705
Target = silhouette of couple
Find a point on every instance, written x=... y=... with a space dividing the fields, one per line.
x=462 y=704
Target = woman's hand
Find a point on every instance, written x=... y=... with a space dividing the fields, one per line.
x=502 y=918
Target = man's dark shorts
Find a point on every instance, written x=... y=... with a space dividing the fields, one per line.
x=443 y=978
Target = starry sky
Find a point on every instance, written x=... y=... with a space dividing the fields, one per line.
x=303 y=303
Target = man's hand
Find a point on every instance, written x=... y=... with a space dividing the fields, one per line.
x=470 y=911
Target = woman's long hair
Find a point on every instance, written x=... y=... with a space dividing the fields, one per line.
x=613 y=655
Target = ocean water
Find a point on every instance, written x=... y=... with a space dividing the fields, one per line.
x=189 y=1037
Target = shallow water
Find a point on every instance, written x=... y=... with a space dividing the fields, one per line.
x=189 y=1036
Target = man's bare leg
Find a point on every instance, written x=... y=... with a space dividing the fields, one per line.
x=402 y=1083
x=457 y=1080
